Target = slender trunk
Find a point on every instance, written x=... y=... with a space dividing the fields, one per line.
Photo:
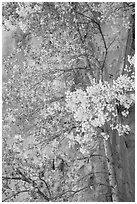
x=102 y=188
x=111 y=169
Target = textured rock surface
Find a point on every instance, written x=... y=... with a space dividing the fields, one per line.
x=123 y=147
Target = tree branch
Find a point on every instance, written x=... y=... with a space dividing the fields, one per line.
x=30 y=181
x=71 y=69
x=11 y=178
x=103 y=38
x=69 y=191
x=82 y=41
x=92 y=155
x=46 y=185
x=106 y=48
x=91 y=19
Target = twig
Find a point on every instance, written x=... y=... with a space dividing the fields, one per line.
x=106 y=48
x=69 y=191
x=82 y=41
x=103 y=38
x=11 y=178
x=91 y=19
x=46 y=185
x=71 y=69
x=92 y=155
x=31 y=181
x=78 y=191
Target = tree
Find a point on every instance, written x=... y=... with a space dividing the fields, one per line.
x=58 y=47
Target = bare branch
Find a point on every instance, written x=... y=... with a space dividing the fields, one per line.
x=31 y=181
x=91 y=19
x=73 y=192
x=103 y=38
x=46 y=185
x=78 y=191
x=71 y=69
x=82 y=41
x=92 y=155
x=11 y=178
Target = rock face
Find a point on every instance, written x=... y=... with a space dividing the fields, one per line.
x=126 y=144
x=123 y=148
x=127 y=160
